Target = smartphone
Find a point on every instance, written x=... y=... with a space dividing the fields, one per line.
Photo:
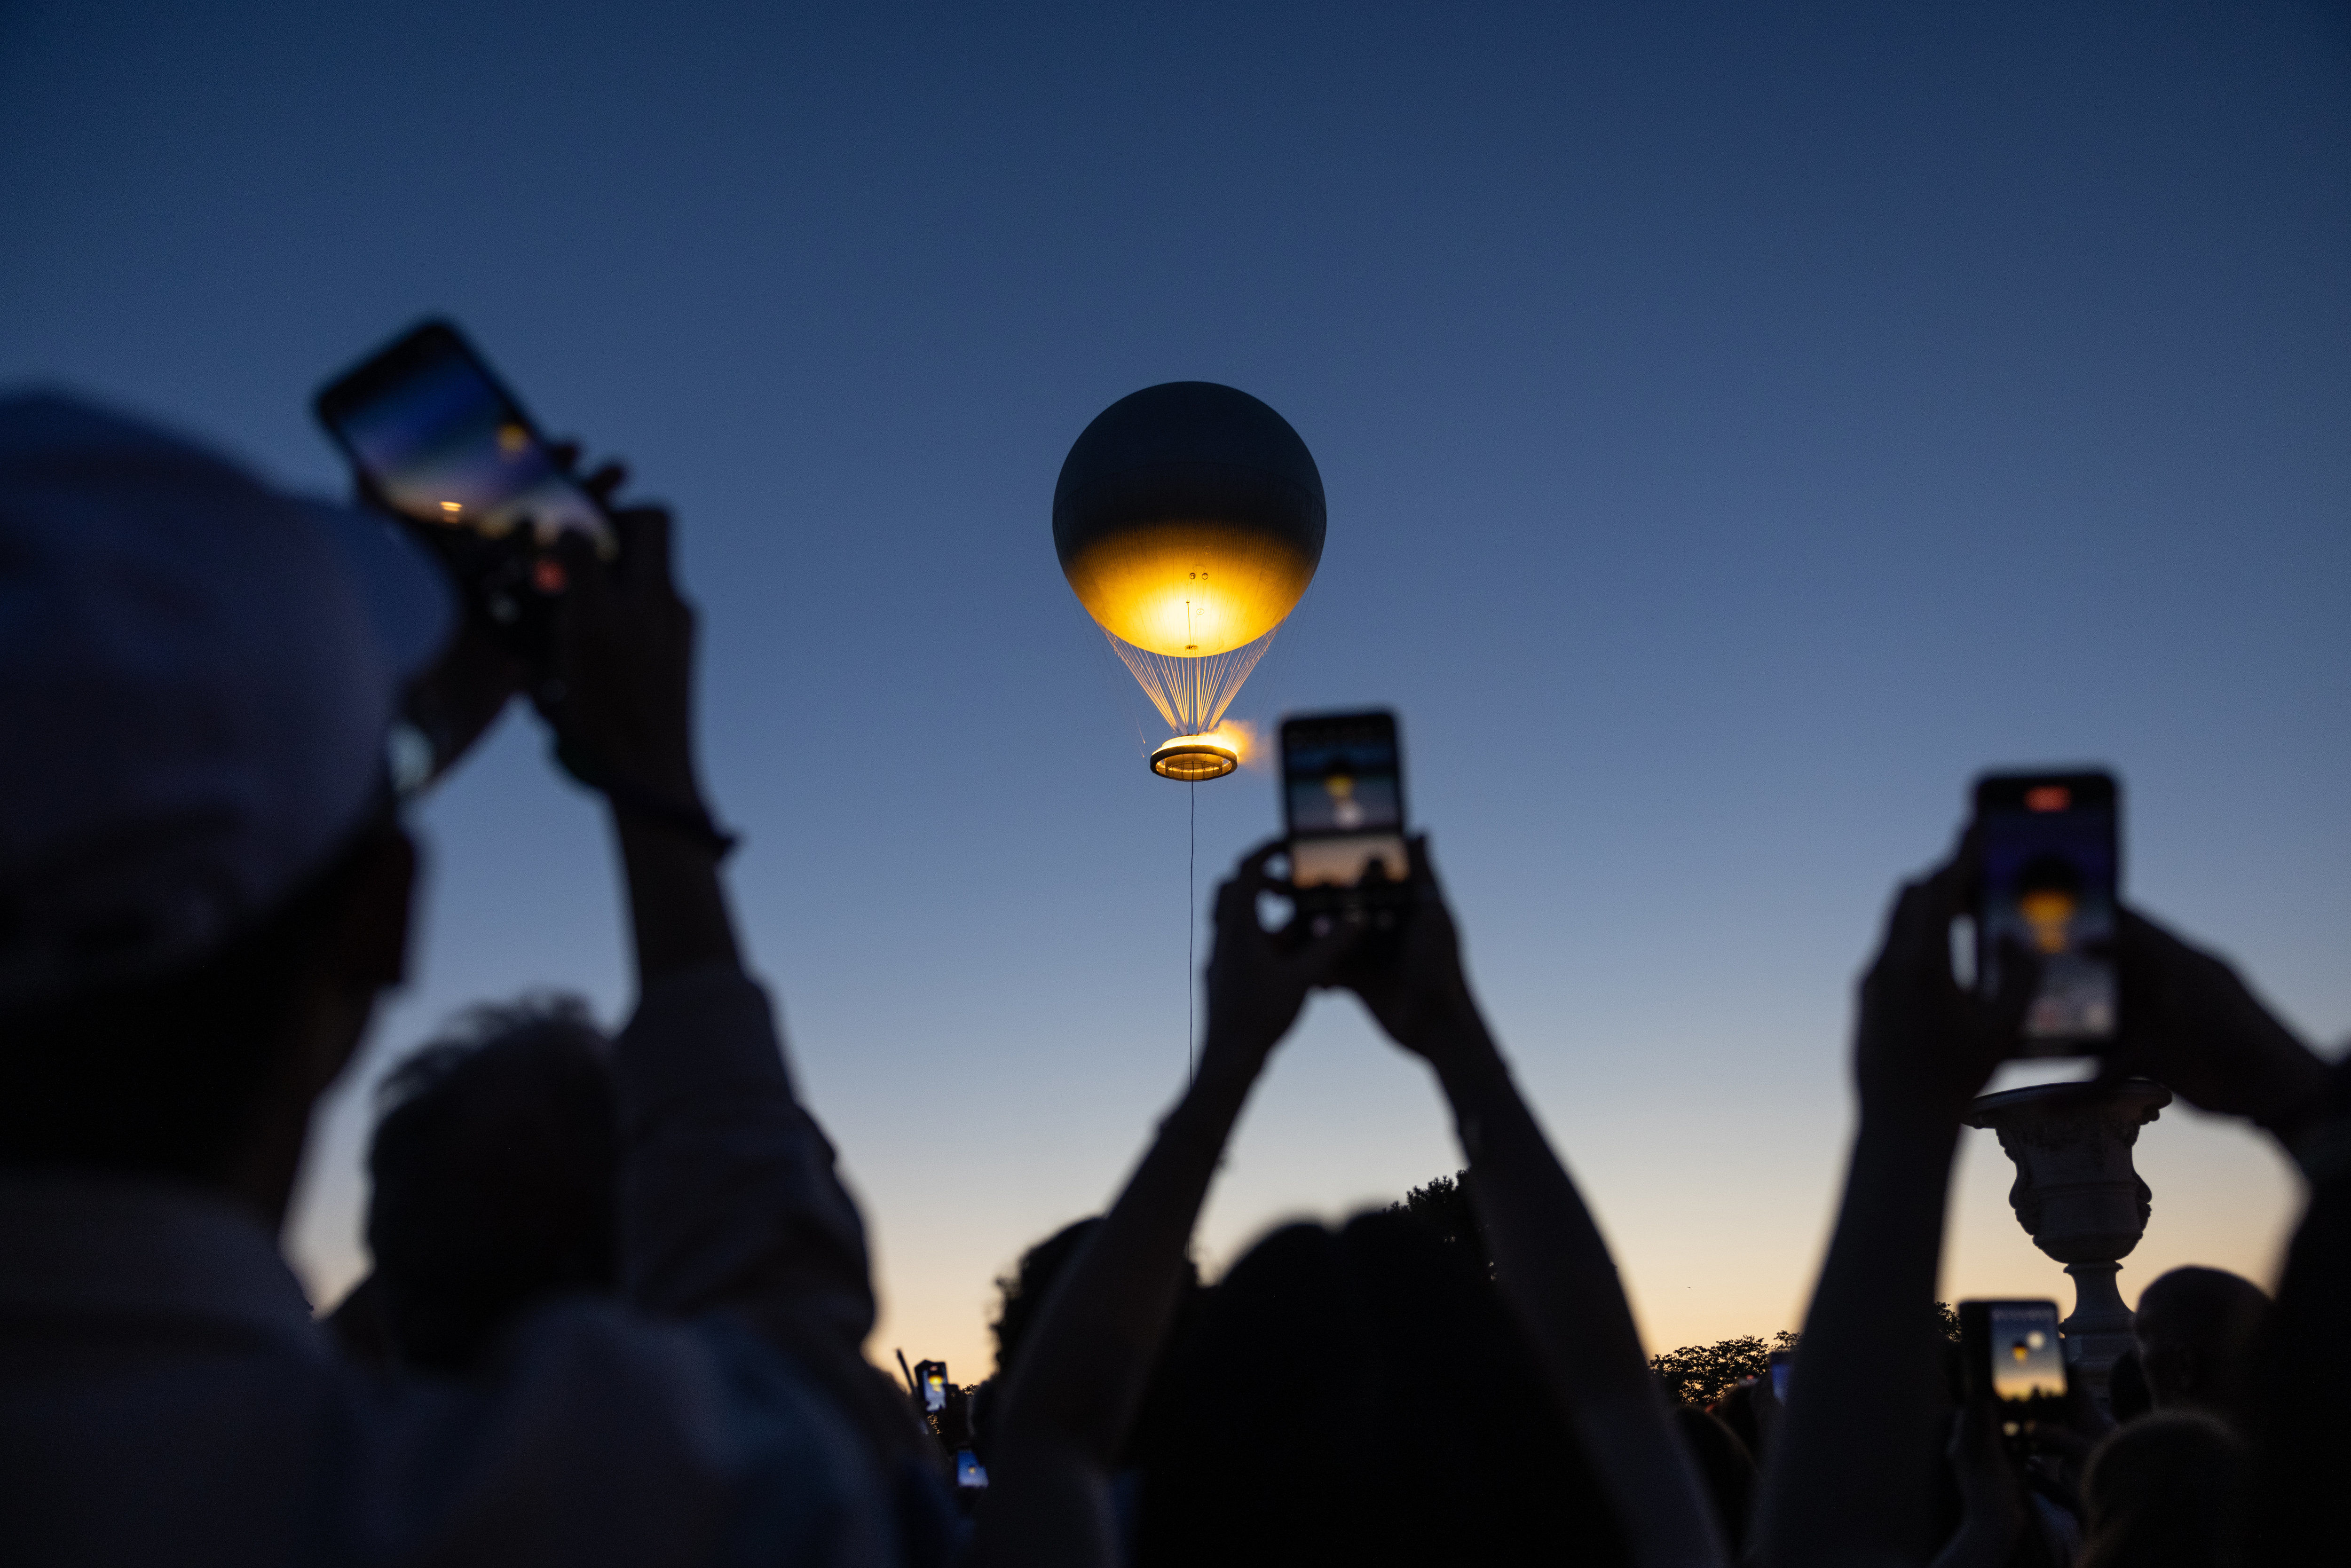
x=1343 y=804
x=2014 y=1352
x=1782 y=1362
x=969 y=1471
x=2050 y=871
x=933 y=1377
x=436 y=438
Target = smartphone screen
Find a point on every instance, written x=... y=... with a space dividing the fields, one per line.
x=934 y=1375
x=1342 y=799
x=2018 y=1352
x=436 y=439
x=1782 y=1364
x=969 y=1471
x=2051 y=863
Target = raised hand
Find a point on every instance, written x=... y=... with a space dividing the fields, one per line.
x=1552 y=1267
x=454 y=703
x=1924 y=1042
x=1848 y=1476
x=1993 y=1512
x=618 y=690
x=1067 y=1411
x=1257 y=979
x=2189 y=1023
x=618 y=687
x=1413 y=982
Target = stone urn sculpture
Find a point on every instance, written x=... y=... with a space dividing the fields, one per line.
x=2078 y=1197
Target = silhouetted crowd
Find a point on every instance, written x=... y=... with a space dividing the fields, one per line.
x=619 y=1294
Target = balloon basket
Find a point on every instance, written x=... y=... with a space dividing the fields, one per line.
x=1188 y=759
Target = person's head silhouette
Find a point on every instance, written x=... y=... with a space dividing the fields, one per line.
x=494 y=1167
x=203 y=882
x=1360 y=1396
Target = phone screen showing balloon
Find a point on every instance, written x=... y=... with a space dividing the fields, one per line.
x=933 y=1376
x=2016 y=1354
x=2049 y=865
x=436 y=439
x=1343 y=798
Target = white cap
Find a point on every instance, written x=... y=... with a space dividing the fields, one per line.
x=197 y=677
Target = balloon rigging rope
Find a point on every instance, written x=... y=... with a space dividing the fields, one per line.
x=1191 y=694
x=1191 y=930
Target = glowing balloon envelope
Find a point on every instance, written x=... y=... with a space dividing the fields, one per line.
x=1189 y=519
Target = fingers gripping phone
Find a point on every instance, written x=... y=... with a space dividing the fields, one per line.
x=2049 y=872
x=436 y=439
x=1343 y=804
x=2013 y=1353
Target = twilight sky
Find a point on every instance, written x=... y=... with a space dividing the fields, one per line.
x=1740 y=425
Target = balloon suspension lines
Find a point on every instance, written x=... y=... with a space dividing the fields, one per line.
x=1191 y=694
x=1191 y=933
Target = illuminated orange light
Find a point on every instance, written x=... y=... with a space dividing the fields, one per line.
x=2050 y=912
x=2048 y=798
x=1188 y=759
x=1189 y=590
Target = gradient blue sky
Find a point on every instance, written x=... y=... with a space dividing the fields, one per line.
x=1740 y=424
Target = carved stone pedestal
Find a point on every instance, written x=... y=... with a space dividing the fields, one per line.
x=2079 y=1199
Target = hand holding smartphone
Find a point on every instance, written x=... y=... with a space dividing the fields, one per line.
x=436 y=440
x=931 y=1375
x=2013 y=1354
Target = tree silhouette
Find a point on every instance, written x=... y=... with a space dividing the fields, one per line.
x=1695 y=1373
x=1442 y=1209
x=1702 y=1373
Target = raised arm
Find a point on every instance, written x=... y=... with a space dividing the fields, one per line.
x=729 y=1199
x=2194 y=1026
x=453 y=704
x=1853 y=1466
x=2197 y=1027
x=1550 y=1262
x=1083 y=1366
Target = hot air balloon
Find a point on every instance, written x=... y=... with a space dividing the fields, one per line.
x=1189 y=519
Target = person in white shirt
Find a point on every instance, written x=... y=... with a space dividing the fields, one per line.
x=205 y=885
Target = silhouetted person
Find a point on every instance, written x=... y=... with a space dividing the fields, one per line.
x=2126 y=1396
x=494 y=1180
x=1850 y=1479
x=2302 y=1445
x=2198 y=1331
x=2166 y=1492
x=1022 y=1294
x=1367 y=1396
x=204 y=886
x=1362 y=1397
x=1726 y=1466
x=1740 y=1410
